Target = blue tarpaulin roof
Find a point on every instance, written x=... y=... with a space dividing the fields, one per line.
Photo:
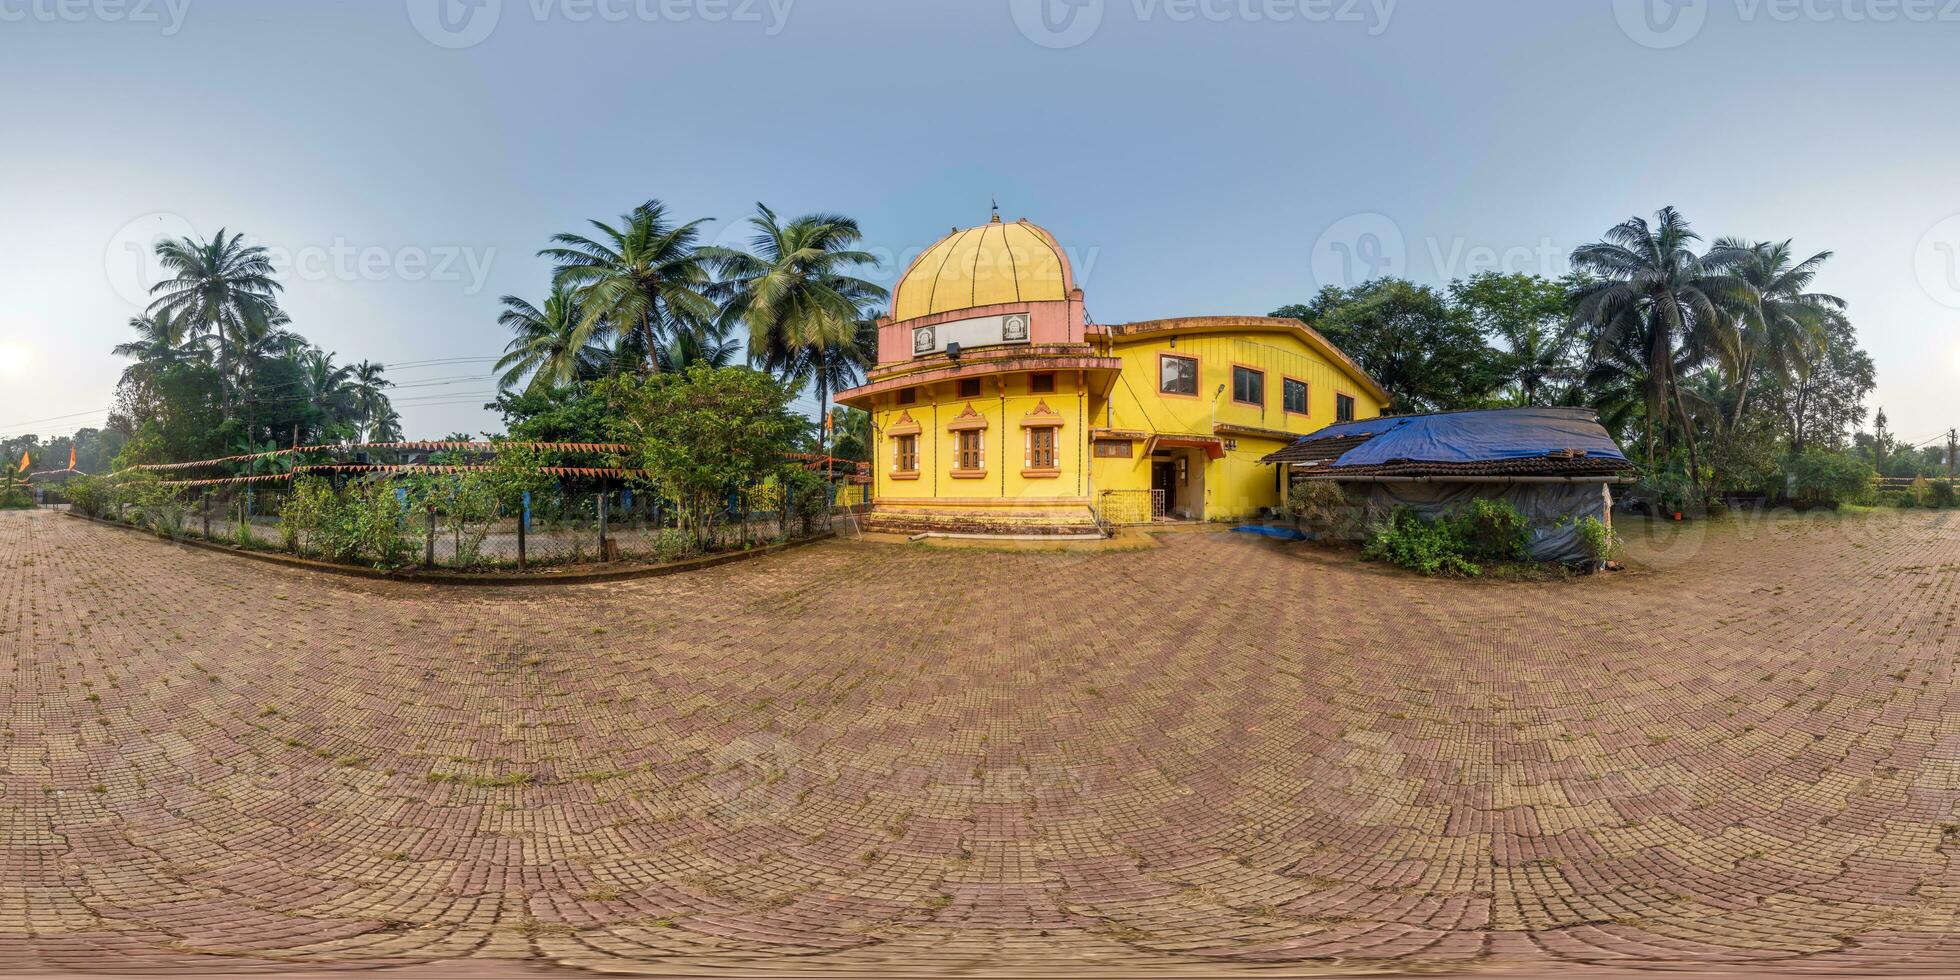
x=1462 y=438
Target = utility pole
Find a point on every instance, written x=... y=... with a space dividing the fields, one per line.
x=1952 y=451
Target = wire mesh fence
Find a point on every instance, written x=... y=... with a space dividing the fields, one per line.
x=382 y=523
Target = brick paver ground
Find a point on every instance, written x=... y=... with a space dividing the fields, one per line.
x=1216 y=754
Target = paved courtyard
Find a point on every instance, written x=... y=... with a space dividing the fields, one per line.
x=1207 y=757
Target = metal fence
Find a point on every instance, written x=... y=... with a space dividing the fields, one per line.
x=565 y=527
x=1132 y=506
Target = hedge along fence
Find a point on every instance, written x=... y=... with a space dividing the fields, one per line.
x=516 y=510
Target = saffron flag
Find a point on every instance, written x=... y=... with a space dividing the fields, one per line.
x=71 y=457
x=23 y=461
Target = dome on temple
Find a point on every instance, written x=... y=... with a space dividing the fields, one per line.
x=987 y=265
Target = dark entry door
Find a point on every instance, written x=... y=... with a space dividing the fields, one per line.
x=1163 y=477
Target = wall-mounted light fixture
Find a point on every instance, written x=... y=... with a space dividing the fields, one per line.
x=953 y=350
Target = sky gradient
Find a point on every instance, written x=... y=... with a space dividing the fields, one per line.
x=1194 y=156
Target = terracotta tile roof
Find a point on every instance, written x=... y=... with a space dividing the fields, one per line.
x=1555 y=464
x=1317 y=450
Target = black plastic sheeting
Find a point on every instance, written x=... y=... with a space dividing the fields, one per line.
x=1554 y=509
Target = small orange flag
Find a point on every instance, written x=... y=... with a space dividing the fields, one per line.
x=23 y=461
x=71 y=457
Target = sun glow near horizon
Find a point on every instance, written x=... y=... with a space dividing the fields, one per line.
x=15 y=359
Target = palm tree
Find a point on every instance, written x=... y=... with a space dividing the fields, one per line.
x=366 y=388
x=1652 y=284
x=387 y=426
x=709 y=347
x=326 y=383
x=803 y=305
x=160 y=339
x=220 y=288
x=547 y=345
x=646 y=276
x=160 y=345
x=1782 y=325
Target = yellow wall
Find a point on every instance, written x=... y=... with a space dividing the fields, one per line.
x=1239 y=484
x=1232 y=487
x=1006 y=404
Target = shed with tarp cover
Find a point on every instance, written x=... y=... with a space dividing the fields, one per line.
x=1557 y=466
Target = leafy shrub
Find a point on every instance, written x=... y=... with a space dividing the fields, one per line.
x=801 y=493
x=1601 y=544
x=673 y=544
x=1494 y=530
x=1942 y=494
x=89 y=495
x=1668 y=486
x=375 y=517
x=303 y=521
x=1895 y=498
x=1822 y=479
x=15 y=498
x=1486 y=530
x=1320 y=505
x=1431 y=548
x=160 y=508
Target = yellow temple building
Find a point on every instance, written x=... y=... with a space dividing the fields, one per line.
x=998 y=408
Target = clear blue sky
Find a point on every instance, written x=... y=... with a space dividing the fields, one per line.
x=1193 y=154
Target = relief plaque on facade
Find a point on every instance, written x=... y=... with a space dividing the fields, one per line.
x=922 y=340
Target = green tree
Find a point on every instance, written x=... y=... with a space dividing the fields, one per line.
x=798 y=291
x=1429 y=354
x=1823 y=403
x=367 y=390
x=221 y=289
x=567 y=413
x=646 y=276
x=1532 y=317
x=1782 y=324
x=1648 y=281
x=703 y=434
x=550 y=345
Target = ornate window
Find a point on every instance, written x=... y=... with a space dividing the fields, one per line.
x=972 y=450
x=904 y=433
x=1041 y=448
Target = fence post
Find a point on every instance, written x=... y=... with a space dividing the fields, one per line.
x=523 y=522
x=204 y=506
x=429 y=547
x=602 y=524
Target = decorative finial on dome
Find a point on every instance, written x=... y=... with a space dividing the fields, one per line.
x=996 y=218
